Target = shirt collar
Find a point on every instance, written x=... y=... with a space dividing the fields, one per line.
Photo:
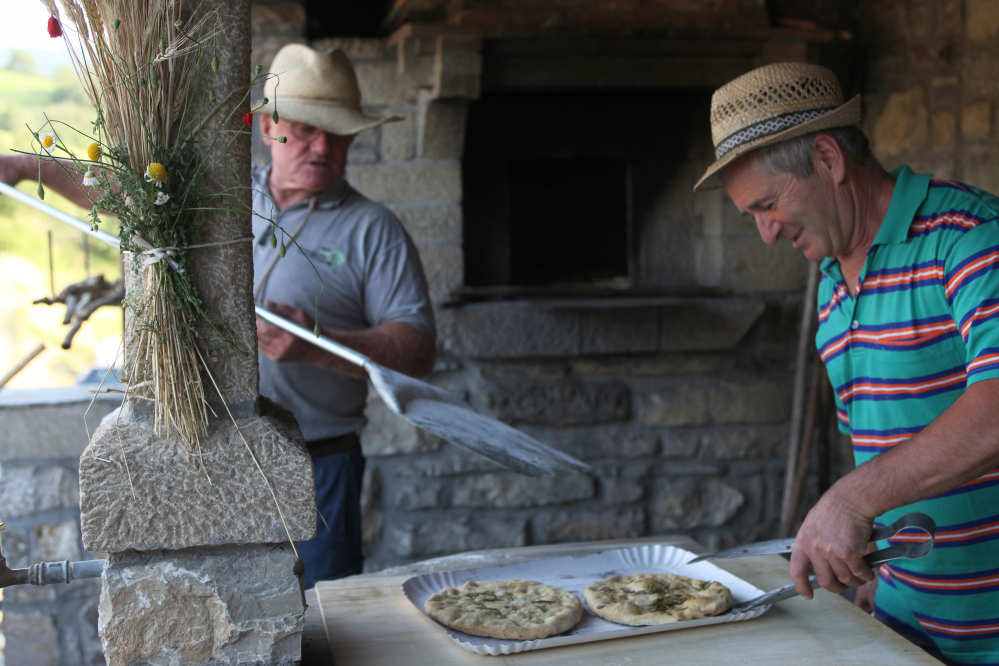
x=331 y=197
x=909 y=193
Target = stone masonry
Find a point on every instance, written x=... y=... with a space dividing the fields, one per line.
x=42 y=435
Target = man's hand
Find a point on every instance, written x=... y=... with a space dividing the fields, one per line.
x=832 y=541
x=865 y=596
x=281 y=346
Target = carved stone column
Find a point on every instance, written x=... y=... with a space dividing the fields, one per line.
x=201 y=567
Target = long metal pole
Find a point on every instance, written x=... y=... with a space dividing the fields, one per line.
x=798 y=406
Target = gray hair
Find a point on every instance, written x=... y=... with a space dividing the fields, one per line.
x=794 y=156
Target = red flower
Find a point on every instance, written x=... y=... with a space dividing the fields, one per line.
x=55 y=30
x=248 y=119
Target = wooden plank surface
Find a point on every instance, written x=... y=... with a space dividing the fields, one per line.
x=369 y=621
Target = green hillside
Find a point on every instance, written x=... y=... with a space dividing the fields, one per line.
x=26 y=89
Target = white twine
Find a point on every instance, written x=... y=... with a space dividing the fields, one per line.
x=154 y=255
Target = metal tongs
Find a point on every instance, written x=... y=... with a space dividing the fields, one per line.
x=910 y=551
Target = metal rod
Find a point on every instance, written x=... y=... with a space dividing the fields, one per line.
x=20 y=365
x=15 y=193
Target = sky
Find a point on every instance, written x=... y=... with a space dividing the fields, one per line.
x=24 y=24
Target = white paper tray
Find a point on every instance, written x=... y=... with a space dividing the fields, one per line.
x=575 y=574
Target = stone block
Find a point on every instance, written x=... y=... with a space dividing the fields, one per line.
x=356 y=48
x=216 y=605
x=444 y=268
x=744 y=443
x=902 y=126
x=566 y=402
x=508 y=331
x=714 y=403
x=442 y=130
x=619 y=331
x=981 y=168
x=48 y=423
x=982 y=19
x=943 y=130
x=980 y=72
x=751 y=265
x=976 y=120
x=30 y=490
x=920 y=17
x=681 y=444
x=285 y=18
x=501 y=491
x=688 y=468
x=382 y=85
x=623 y=491
x=567 y=527
x=175 y=506
x=948 y=16
x=662 y=364
x=686 y=504
x=398 y=140
x=54 y=543
x=388 y=434
x=597 y=442
x=630 y=470
x=371 y=514
x=455 y=535
x=407 y=182
x=456 y=75
x=32 y=639
x=431 y=225
x=420 y=496
x=455 y=464
x=708 y=324
x=16 y=548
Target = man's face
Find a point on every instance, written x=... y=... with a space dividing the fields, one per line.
x=311 y=160
x=803 y=212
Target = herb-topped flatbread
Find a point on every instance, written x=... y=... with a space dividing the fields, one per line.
x=656 y=599
x=515 y=609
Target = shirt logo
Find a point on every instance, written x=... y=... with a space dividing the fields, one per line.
x=335 y=258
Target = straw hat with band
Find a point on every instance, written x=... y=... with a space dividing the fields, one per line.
x=318 y=89
x=771 y=104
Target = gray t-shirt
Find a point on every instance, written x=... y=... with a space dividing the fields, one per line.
x=371 y=275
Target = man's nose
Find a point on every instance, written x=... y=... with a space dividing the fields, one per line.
x=769 y=228
x=321 y=142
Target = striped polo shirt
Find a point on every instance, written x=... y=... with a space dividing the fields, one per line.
x=924 y=325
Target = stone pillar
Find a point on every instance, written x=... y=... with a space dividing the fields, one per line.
x=201 y=567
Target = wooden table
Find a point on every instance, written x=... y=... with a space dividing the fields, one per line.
x=369 y=622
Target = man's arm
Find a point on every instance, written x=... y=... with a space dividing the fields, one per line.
x=395 y=345
x=65 y=181
x=961 y=445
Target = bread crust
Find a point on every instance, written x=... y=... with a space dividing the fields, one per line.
x=643 y=599
x=511 y=609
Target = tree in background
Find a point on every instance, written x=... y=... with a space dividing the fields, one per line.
x=22 y=61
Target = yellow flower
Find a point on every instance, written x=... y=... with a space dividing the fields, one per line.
x=94 y=152
x=156 y=173
x=48 y=141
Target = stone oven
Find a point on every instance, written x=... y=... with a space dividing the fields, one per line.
x=584 y=293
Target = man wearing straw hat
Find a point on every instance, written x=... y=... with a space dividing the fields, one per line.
x=909 y=332
x=374 y=295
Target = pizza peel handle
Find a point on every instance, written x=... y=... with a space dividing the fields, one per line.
x=418 y=402
x=445 y=415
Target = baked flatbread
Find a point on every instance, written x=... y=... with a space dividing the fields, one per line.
x=656 y=599
x=515 y=609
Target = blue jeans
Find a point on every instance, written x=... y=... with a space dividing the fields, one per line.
x=336 y=551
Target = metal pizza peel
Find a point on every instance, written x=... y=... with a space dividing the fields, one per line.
x=420 y=403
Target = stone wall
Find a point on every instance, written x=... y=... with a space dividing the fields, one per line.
x=932 y=86
x=42 y=434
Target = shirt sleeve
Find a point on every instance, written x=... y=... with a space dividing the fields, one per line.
x=395 y=288
x=971 y=286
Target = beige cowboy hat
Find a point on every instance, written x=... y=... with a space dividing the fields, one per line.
x=318 y=89
x=771 y=104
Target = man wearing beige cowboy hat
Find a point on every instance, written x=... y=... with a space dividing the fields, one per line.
x=909 y=332
x=374 y=294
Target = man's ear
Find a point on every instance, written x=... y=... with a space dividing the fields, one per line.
x=827 y=156
x=266 y=124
